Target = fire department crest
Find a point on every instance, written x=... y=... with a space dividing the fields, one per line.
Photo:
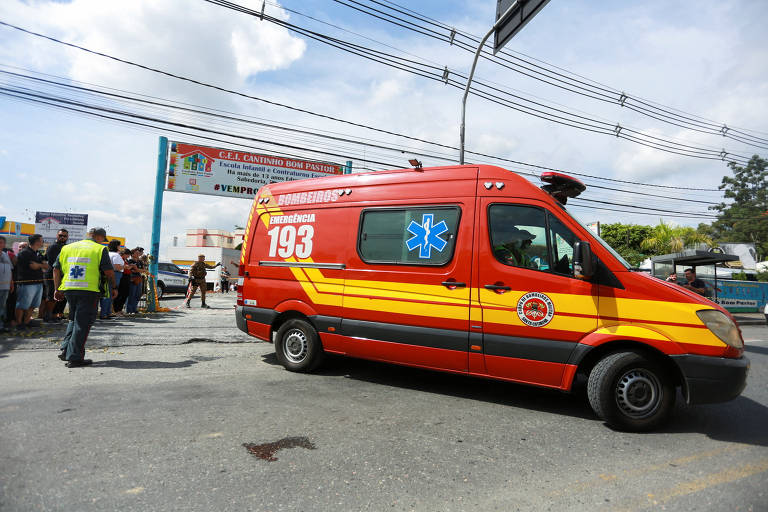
x=535 y=309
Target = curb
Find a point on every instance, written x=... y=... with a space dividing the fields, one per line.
x=750 y=320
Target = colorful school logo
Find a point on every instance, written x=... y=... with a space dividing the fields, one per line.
x=535 y=309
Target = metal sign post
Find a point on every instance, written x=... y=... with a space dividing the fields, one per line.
x=157 y=217
x=509 y=23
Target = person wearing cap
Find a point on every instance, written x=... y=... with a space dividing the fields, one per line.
x=197 y=273
x=82 y=274
x=513 y=249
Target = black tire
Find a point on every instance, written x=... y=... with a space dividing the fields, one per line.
x=631 y=392
x=298 y=346
x=160 y=290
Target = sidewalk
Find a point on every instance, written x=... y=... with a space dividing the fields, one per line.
x=175 y=327
x=750 y=318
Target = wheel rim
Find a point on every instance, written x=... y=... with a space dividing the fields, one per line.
x=638 y=393
x=295 y=346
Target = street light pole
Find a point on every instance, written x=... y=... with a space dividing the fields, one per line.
x=499 y=21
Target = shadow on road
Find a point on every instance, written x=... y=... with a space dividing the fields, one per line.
x=491 y=391
x=756 y=349
x=742 y=420
x=142 y=365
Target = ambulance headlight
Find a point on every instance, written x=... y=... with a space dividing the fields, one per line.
x=722 y=326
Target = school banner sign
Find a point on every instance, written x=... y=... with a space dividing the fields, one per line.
x=49 y=223
x=230 y=173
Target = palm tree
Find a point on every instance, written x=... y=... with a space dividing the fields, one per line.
x=665 y=239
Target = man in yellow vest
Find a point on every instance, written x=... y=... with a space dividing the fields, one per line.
x=80 y=274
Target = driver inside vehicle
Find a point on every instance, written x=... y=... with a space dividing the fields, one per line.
x=513 y=249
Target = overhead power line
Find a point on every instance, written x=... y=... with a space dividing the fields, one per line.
x=172 y=126
x=411 y=20
x=164 y=124
x=72 y=104
x=325 y=116
x=497 y=95
x=70 y=89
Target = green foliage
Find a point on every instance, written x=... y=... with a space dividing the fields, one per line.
x=739 y=276
x=706 y=230
x=745 y=218
x=626 y=240
x=762 y=276
x=666 y=239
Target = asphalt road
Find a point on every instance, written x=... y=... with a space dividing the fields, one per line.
x=161 y=419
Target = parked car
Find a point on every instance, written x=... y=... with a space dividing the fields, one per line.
x=170 y=278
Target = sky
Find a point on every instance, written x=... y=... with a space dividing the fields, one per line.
x=708 y=59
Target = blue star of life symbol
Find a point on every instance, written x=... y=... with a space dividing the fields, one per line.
x=426 y=236
x=76 y=272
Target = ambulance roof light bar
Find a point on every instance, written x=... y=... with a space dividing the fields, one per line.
x=561 y=186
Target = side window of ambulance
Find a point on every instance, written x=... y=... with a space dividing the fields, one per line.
x=562 y=241
x=518 y=236
x=408 y=236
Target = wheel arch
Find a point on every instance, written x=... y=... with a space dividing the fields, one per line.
x=589 y=355
x=288 y=310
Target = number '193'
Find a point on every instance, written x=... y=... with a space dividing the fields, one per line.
x=283 y=241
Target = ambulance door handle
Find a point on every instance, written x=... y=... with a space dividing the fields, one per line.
x=454 y=284
x=498 y=288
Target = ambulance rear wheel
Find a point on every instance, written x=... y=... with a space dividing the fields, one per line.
x=631 y=392
x=298 y=346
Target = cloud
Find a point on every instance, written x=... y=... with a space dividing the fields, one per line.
x=199 y=40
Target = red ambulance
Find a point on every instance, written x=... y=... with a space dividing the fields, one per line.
x=474 y=270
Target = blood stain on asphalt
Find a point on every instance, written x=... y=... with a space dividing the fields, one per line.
x=267 y=451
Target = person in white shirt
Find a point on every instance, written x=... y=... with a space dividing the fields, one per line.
x=117 y=265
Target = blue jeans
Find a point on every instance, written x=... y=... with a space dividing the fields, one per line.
x=132 y=306
x=3 y=298
x=29 y=295
x=106 y=302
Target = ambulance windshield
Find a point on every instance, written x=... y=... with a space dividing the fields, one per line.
x=602 y=242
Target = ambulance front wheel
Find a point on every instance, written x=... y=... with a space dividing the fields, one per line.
x=298 y=346
x=630 y=391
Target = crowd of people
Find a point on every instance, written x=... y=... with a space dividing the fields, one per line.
x=27 y=282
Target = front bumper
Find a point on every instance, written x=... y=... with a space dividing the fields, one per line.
x=709 y=380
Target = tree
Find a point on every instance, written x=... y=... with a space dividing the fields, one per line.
x=665 y=239
x=745 y=218
x=626 y=240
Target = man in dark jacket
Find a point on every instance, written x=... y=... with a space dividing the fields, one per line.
x=197 y=273
x=30 y=265
x=51 y=310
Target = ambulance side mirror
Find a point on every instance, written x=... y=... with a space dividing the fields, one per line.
x=583 y=261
